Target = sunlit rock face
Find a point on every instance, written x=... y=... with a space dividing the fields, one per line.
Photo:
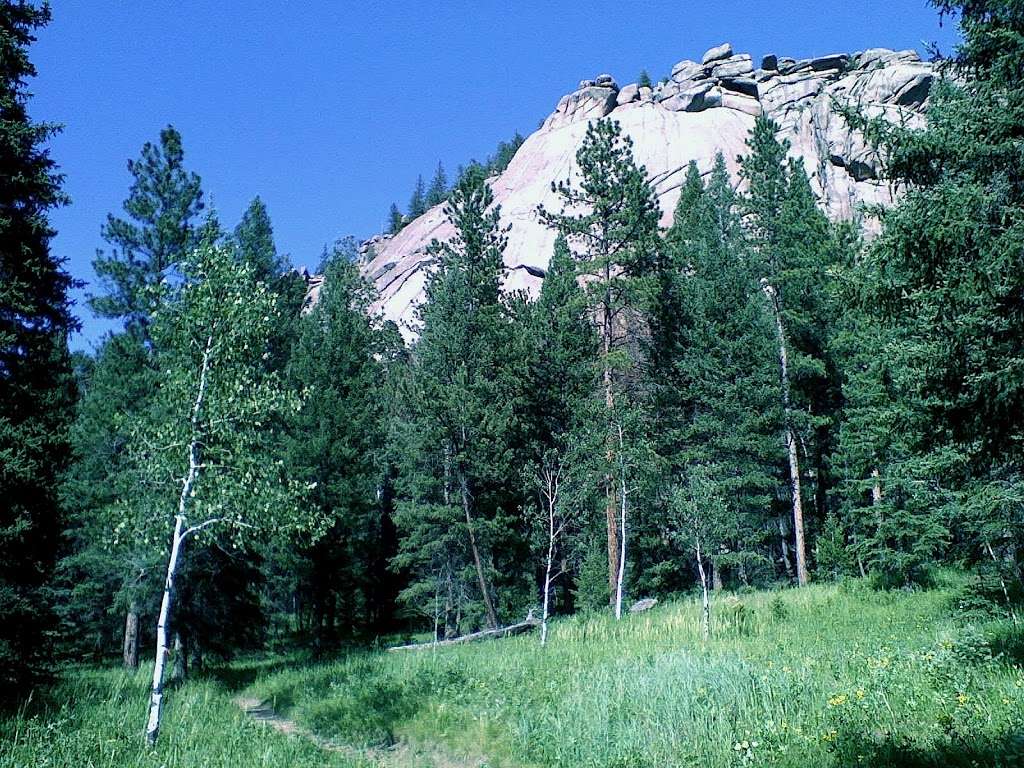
x=702 y=109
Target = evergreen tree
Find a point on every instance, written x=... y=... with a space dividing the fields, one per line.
x=254 y=240
x=713 y=371
x=438 y=190
x=418 y=201
x=36 y=386
x=336 y=445
x=102 y=572
x=794 y=245
x=556 y=383
x=617 y=239
x=944 y=284
x=160 y=230
x=395 y=220
x=447 y=508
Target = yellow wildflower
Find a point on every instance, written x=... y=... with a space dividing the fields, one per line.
x=962 y=698
x=837 y=701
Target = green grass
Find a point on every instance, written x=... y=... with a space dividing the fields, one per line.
x=100 y=724
x=823 y=676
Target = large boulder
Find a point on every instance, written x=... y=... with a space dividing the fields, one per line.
x=723 y=51
x=585 y=104
x=628 y=94
x=734 y=66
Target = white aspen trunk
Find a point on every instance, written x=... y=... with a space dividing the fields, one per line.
x=157 y=696
x=622 y=534
x=178 y=539
x=798 y=510
x=790 y=437
x=547 y=576
x=876 y=487
x=607 y=338
x=706 y=604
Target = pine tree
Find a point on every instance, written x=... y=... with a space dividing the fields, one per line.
x=100 y=573
x=254 y=240
x=438 y=190
x=794 y=247
x=418 y=201
x=712 y=365
x=336 y=445
x=617 y=240
x=395 y=220
x=446 y=509
x=558 y=378
x=944 y=285
x=36 y=385
x=160 y=230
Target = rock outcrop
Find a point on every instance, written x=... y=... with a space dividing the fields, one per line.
x=702 y=109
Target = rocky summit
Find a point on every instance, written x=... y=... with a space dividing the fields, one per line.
x=704 y=107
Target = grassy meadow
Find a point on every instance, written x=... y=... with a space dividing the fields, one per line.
x=823 y=676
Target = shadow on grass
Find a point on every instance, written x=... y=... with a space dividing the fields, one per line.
x=1007 y=641
x=1004 y=751
x=240 y=674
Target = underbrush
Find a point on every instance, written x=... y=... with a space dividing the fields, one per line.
x=821 y=676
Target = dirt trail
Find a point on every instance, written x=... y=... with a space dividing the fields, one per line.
x=402 y=755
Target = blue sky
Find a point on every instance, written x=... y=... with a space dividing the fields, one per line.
x=329 y=110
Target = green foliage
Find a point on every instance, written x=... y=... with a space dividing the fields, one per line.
x=845 y=673
x=644 y=80
x=158 y=233
x=395 y=220
x=36 y=385
x=418 y=200
x=254 y=241
x=211 y=339
x=97 y=575
x=335 y=444
x=437 y=193
x=453 y=476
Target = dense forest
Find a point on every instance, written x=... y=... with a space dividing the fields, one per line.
x=757 y=396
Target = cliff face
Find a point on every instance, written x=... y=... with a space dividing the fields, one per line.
x=705 y=108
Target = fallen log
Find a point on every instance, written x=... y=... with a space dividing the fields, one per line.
x=512 y=629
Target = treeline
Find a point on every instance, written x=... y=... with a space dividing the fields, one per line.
x=425 y=197
x=754 y=397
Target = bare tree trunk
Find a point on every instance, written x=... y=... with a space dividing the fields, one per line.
x=492 y=617
x=131 y=637
x=790 y=438
x=178 y=539
x=784 y=546
x=180 y=671
x=1002 y=583
x=716 y=577
x=876 y=487
x=706 y=604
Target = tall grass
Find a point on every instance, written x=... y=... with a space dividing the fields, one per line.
x=821 y=676
x=94 y=719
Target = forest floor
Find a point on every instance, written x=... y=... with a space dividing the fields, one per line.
x=822 y=676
